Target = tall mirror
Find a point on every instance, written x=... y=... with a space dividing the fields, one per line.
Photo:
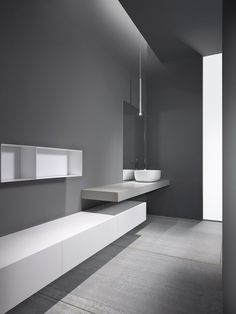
x=133 y=137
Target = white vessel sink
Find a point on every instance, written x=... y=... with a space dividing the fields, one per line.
x=147 y=175
x=128 y=174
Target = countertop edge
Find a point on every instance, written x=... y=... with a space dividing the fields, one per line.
x=119 y=196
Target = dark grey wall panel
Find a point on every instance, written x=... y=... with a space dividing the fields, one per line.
x=66 y=67
x=175 y=137
x=229 y=156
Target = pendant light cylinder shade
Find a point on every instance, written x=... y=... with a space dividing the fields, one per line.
x=140 y=76
x=140 y=97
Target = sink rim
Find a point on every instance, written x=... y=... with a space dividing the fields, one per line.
x=147 y=170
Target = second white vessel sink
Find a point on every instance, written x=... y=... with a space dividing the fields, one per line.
x=128 y=174
x=147 y=175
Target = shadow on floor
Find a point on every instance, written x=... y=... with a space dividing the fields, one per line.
x=49 y=296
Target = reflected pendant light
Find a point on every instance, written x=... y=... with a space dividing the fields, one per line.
x=140 y=77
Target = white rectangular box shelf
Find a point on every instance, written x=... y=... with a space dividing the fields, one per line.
x=21 y=162
x=17 y=162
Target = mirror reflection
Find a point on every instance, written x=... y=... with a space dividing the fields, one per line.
x=133 y=138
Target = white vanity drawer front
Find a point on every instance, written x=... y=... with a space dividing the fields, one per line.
x=131 y=218
x=22 y=279
x=83 y=245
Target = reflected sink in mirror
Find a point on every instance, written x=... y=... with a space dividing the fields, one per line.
x=147 y=175
x=128 y=174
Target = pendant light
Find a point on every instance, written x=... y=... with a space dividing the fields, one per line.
x=140 y=76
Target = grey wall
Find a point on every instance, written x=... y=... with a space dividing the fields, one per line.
x=175 y=137
x=66 y=67
x=229 y=156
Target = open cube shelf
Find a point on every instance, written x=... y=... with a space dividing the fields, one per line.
x=20 y=162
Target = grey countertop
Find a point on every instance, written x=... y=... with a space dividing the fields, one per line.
x=121 y=191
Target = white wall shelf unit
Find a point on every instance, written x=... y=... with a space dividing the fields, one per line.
x=32 y=258
x=21 y=162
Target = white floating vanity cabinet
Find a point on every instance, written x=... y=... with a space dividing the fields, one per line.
x=32 y=258
x=21 y=163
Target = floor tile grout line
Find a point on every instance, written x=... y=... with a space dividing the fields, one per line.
x=165 y=231
x=92 y=300
x=60 y=300
x=179 y=219
x=162 y=254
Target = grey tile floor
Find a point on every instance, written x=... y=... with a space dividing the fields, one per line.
x=164 y=266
